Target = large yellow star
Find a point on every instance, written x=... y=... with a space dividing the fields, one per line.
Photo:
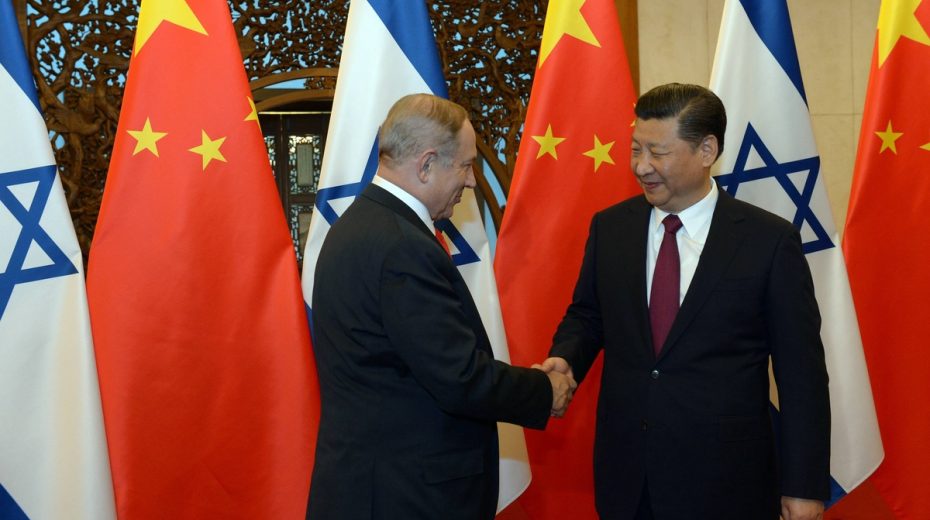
x=926 y=147
x=146 y=138
x=888 y=138
x=564 y=17
x=547 y=143
x=209 y=149
x=896 y=19
x=600 y=153
x=154 y=12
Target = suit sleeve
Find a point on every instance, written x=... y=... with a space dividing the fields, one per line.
x=580 y=335
x=793 y=320
x=427 y=325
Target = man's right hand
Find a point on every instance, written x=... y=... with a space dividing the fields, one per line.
x=563 y=384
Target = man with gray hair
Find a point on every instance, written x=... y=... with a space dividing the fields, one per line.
x=410 y=389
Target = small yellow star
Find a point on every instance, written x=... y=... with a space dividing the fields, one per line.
x=146 y=138
x=564 y=17
x=600 y=153
x=253 y=113
x=547 y=143
x=888 y=138
x=209 y=149
x=926 y=147
x=153 y=12
x=896 y=19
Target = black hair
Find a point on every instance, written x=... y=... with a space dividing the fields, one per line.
x=699 y=111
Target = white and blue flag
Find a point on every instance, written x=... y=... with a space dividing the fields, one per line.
x=53 y=453
x=771 y=161
x=389 y=52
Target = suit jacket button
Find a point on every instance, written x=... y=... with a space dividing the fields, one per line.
x=644 y=425
x=655 y=374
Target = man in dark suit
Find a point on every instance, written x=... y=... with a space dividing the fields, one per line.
x=410 y=390
x=688 y=312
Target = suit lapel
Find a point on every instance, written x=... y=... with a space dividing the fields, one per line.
x=636 y=235
x=723 y=239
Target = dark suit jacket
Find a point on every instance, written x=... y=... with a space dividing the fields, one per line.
x=410 y=390
x=694 y=424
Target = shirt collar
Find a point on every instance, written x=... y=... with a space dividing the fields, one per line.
x=414 y=203
x=695 y=219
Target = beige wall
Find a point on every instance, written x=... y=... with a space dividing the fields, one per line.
x=677 y=40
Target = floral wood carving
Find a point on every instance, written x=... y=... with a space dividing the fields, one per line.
x=80 y=54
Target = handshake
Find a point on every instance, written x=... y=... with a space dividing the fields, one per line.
x=563 y=383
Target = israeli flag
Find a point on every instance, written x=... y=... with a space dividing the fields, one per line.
x=771 y=161
x=53 y=453
x=389 y=52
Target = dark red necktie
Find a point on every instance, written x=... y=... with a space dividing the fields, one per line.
x=445 y=246
x=666 y=284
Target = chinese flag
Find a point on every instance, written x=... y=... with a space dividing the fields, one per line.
x=887 y=248
x=573 y=161
x=203 y=348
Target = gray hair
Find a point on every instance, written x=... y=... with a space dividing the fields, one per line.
x=418 y=122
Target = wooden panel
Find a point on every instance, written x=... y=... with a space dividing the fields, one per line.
x=629 y=24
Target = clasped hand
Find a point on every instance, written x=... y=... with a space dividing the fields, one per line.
x=563 y=383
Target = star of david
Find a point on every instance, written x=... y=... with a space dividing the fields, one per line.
x=780 y=172
x=31 y=232
x=324 y=197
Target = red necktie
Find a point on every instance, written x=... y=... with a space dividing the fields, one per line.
x=666 y=284
x=442 y=241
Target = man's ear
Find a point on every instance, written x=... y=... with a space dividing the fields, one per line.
x=708 y=149
x=424 y=164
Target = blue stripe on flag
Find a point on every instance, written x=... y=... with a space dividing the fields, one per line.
x=408 y=22
x=12 y=57
x=772 y=23
x=836 y=493
x=310 y=321
x=9 y=509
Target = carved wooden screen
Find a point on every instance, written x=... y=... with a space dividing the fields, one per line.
x=80 y=53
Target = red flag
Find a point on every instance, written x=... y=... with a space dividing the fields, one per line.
x=888 y=250
x=573 y=161
x=201 y=334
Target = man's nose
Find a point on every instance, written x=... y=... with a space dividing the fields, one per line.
x=641 y=166
x=470 y=178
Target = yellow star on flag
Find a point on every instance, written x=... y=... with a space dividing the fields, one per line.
x=600 y=153
x=253 y=113
x=888 y=138
x=896 y=19
x=926 y=147
x=146 y=138
x=154 y=12
x=547 y=143
x=209 y=149
x=564 y=18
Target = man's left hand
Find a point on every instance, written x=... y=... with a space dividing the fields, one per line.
x=801 y=509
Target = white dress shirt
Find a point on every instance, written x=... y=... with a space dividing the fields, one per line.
x=414 y=203
x=691 y=238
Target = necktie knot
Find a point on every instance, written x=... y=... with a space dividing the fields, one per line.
x=672 y=224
